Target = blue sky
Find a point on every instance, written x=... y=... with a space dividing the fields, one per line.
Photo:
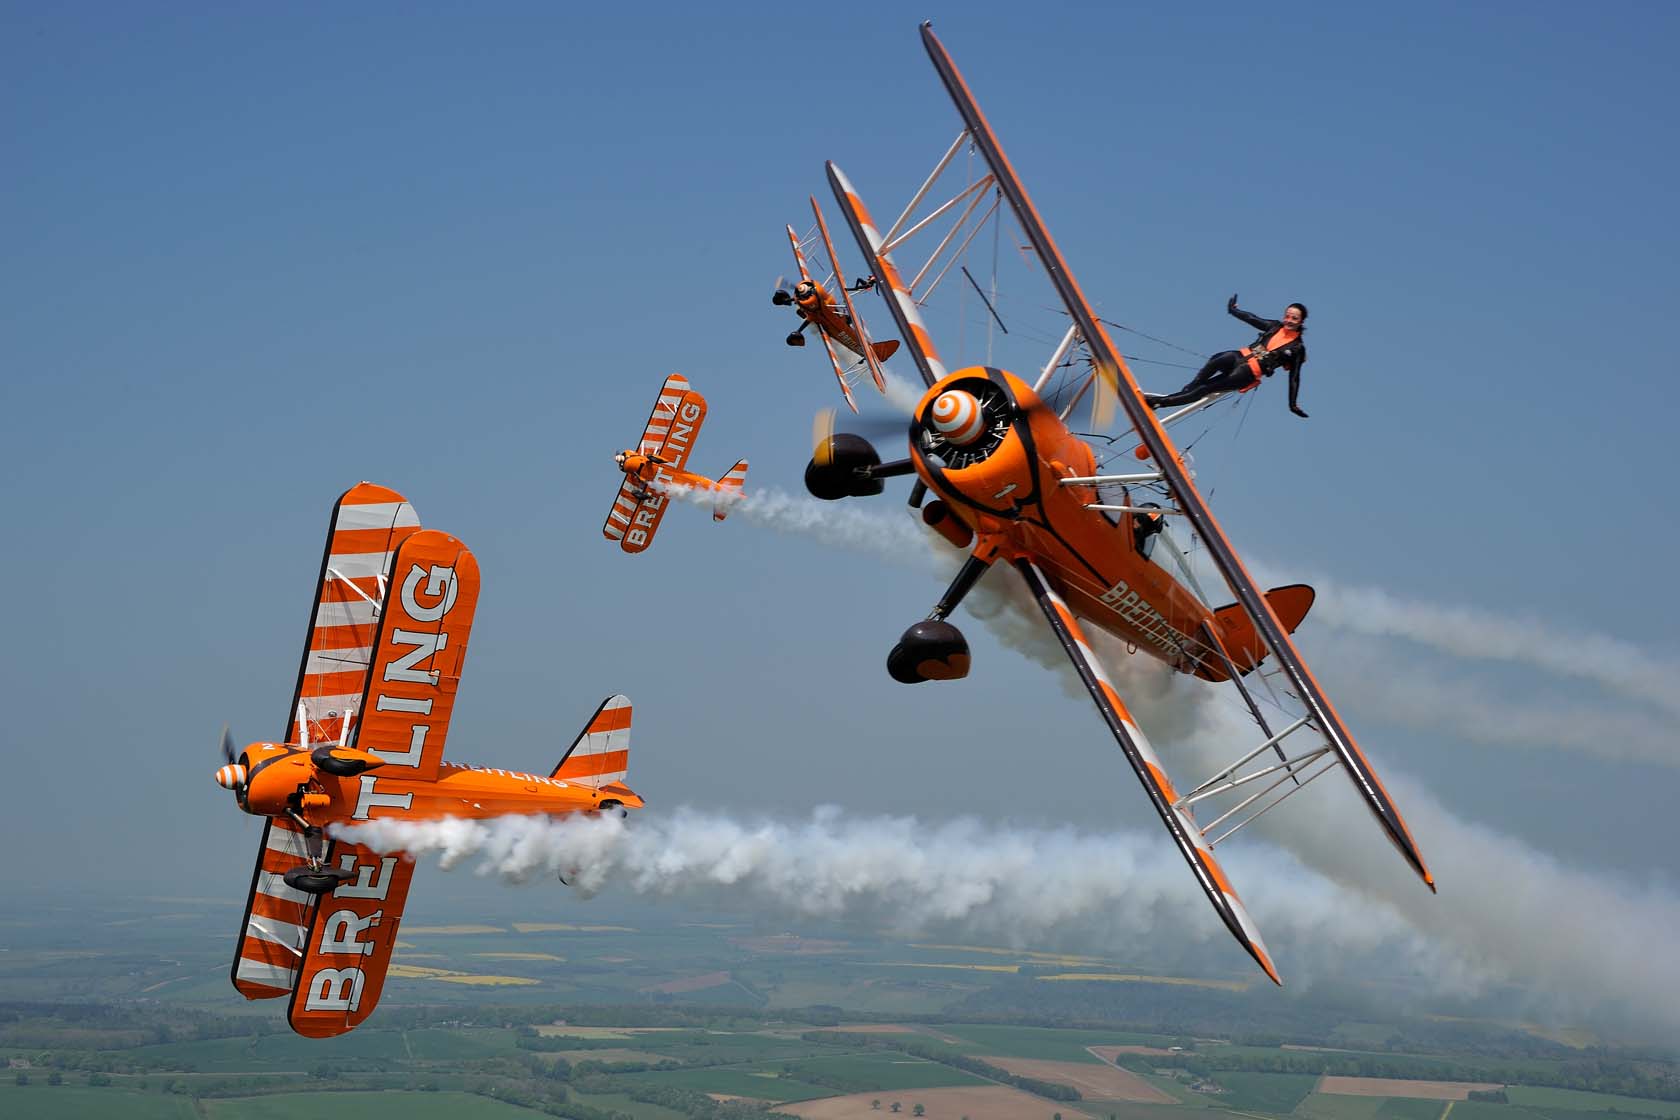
x=255 y=255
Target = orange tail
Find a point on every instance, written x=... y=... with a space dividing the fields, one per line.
x=731 y=484
x=885 y=350
x=1237 y=632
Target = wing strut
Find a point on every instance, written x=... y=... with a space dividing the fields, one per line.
x=1112 y=368
x=1174 y=814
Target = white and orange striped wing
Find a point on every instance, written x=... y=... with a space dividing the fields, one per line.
x=601 y=754
x=828 y=344
x=368 y=523
x=276 y=918
x=906 y=312
x=866 y=349
x=1141 y=755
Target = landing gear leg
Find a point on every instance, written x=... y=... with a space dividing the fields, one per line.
x=313 y=877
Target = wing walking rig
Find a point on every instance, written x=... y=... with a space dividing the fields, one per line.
x=839 y=326
x=654 y=468
x=1013 y=484
x=363 y=741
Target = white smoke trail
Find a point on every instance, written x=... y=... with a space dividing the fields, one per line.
x=1022 y=886
x=1383 y=685
x=1473 y=634
x=899 y=539
x=1577 y=938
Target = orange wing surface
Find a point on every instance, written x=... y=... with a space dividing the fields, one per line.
x=1270 y=629
x=669 y=434
x=422 y=644
x=350 y=943
x=368 y=523
x=418 y=654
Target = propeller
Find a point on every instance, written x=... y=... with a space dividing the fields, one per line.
x=779 y=294
x=232 y=775
x=867 y=425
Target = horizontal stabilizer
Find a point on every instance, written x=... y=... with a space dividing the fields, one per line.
x=731 y=482
x=1236 y=629
x=600 y=755
x=885 y=350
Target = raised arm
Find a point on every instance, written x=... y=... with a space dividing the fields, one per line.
x=1254 y=321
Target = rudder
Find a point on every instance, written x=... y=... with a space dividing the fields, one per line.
x=1242 y=642
x=732 y=483
x=601 y=753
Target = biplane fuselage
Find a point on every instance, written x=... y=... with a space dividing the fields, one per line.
x=812 y=303
x=1007 y=487
x=282 y=779
x=656 y=475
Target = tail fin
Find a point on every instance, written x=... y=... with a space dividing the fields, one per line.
x=885 y=350
x=600 y=754
x=731 y=482
x=1246 y=650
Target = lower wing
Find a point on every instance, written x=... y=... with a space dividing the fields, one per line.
x=350 y=942
x=1141 y=755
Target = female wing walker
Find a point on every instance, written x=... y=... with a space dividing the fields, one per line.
x=388 y=635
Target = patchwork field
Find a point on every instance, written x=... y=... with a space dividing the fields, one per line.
x=991 y=1102
x=1393 y=1087
x=1098 y=1082
x=364 y=1106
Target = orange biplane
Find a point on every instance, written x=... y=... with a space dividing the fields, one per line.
x=654 y=467
x=1014 y=484
x=815 y=306
x=364 y=742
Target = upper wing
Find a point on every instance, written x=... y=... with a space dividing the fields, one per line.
x=417 y=659
x=798 y=254
x=350 y=942
x=828 y=343
x=1191 y=843
x=905 y=310
x=1111 y=367
x=865 y=348
x=368 y=522
x=418 y=655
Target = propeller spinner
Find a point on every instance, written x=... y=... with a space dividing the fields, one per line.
x=232 y=776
